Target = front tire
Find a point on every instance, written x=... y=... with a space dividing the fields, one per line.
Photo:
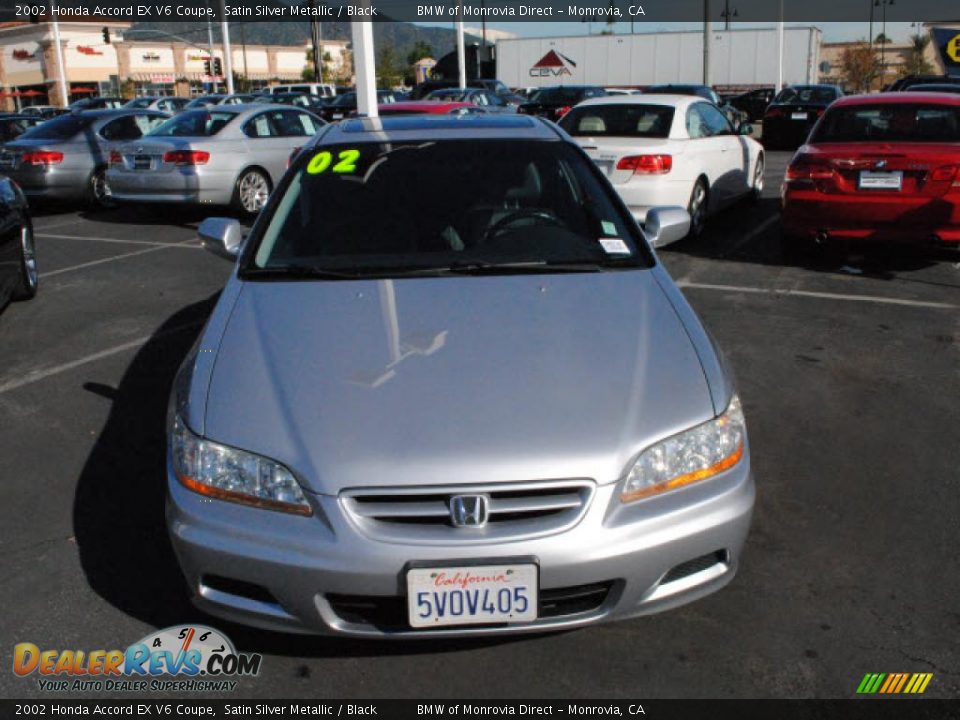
x=251 y=192
x=697 y=208
x=29 y=279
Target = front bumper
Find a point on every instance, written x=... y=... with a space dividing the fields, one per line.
x=176 y=186
x=809 y=214
x=285 y=572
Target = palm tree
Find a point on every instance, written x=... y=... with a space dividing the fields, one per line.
x=916 y=62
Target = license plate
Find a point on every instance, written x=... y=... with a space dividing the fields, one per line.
x=440 y=596
x=873 y=180
x=799 y=116
x=338 y=116
x=6 y=161
x=605 y=165
x=141 y=162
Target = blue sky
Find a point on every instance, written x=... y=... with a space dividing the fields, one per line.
x=832 y=31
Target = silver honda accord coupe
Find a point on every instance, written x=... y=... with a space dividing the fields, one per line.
x=229 y=154
x=449 y=390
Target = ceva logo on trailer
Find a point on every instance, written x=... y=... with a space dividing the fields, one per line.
x=553 y=64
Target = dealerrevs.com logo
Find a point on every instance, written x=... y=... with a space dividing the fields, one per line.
x=203 y=659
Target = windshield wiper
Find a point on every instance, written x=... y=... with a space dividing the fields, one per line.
x=288 y=272
x=532 y=267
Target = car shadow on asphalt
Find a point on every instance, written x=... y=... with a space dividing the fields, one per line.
x=179 y=215
x=723 y=239
x=118 y=511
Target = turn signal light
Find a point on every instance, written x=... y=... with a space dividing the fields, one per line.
x=186 y=157
x=42 y=157
x=646 y=164
x=805 y=169
x=116 y=158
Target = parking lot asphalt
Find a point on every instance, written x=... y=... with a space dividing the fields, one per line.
x=848 y=363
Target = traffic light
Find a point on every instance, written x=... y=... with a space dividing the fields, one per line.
x=206 y=67
x=217 y=67
x=106 y=36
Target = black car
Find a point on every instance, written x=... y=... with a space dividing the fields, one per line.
x=735 y=116
x=753 y=102
x=18 y=257
x=345 y=105
x=309 y=101
x=908 y=81
x=13 y=126
x=936 y=87
x=554 y=102
x=791 y=115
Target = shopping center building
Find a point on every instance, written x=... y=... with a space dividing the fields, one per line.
x=29 y=72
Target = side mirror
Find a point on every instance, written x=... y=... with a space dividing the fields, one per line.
x=745 y=129
x=222 y=236
x=666 y=225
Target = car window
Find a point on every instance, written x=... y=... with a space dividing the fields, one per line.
x=531 y=202
x=628 y=120
x=260 y=126
x=291 y=123
x=495 y=100
x=148 y=123
x=696 y=124
x=801 y=95
x=308 y=123
x=123 y=128
x=716 y=122
x=59 y=128
x=890 y=123
x=300 y=88
x=195 y=123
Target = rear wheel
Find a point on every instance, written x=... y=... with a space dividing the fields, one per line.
x=251 y=192
x=697 y=208
x=29 y=278
x=98 y=191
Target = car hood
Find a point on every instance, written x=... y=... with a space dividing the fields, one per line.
x=433 y=381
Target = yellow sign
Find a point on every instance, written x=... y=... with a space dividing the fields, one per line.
x=953 y=48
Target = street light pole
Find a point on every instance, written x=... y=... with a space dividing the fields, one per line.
x=227 y=53
x=59 y=53
x=706 y=42
x=780 y=50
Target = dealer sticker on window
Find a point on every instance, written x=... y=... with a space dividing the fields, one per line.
x=614 y=246
x=608 y=227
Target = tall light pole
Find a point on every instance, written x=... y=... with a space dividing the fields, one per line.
x=364 y=66
x=780 y=50
x=727 y=14
x=210 y=45
x=227 y=53
x=59 y=53
x=706 y=42
x=461 y=51
x=883 y=34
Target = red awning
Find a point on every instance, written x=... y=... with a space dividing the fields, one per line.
x=83 y=91
x=31 y=93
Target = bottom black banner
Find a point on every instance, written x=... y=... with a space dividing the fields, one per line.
x=872 y=709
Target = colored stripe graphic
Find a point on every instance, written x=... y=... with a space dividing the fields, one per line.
x=894 y=683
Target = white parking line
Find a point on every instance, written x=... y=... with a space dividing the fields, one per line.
x=813 y=294
x=72 y=221
x=37 y=375
x=105 y=240
x=101 y=261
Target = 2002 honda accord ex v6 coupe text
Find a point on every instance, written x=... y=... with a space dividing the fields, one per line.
x=449 y=390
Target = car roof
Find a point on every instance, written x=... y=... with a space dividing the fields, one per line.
x=896 y=98
x=439 y=127
x=678 y=101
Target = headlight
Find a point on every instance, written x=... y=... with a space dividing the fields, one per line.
x=688 y=457
x=225 y=473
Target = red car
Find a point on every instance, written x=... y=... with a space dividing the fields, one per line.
x=429 y=107
x=878 y=167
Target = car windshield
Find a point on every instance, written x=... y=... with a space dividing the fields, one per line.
x=886 y=123
x=194 y=123
x=139 y=103
x=346 y=100
x=531 y=205
x=559 y=96
x=58 y=128
x=627 y=120
x=803 y=95
x=204 y=100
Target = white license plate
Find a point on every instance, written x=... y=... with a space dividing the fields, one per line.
x=439 y=596
x=6 y=161
x=605 y=165
x=141 y=162
x=338 y=116
x=799 y=116
x=873 y=180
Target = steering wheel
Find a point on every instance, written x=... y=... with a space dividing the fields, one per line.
x=522 y=214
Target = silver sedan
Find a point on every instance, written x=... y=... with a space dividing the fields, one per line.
x=65 y=158
x=229 y=154
x=450 y=390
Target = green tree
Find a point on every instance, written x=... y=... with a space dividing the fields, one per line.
x=859 y=67
x=389 y=71
x=882 y=39
x=421 y=49
x=916 y=62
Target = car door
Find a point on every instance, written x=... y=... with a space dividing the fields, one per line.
x=273 y=134
x=732 y=157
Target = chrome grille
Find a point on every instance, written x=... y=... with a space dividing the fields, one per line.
x=424 y=514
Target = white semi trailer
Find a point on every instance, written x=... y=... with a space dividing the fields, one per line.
x=738 y=58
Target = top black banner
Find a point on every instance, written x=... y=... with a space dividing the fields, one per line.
x=636 y=11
